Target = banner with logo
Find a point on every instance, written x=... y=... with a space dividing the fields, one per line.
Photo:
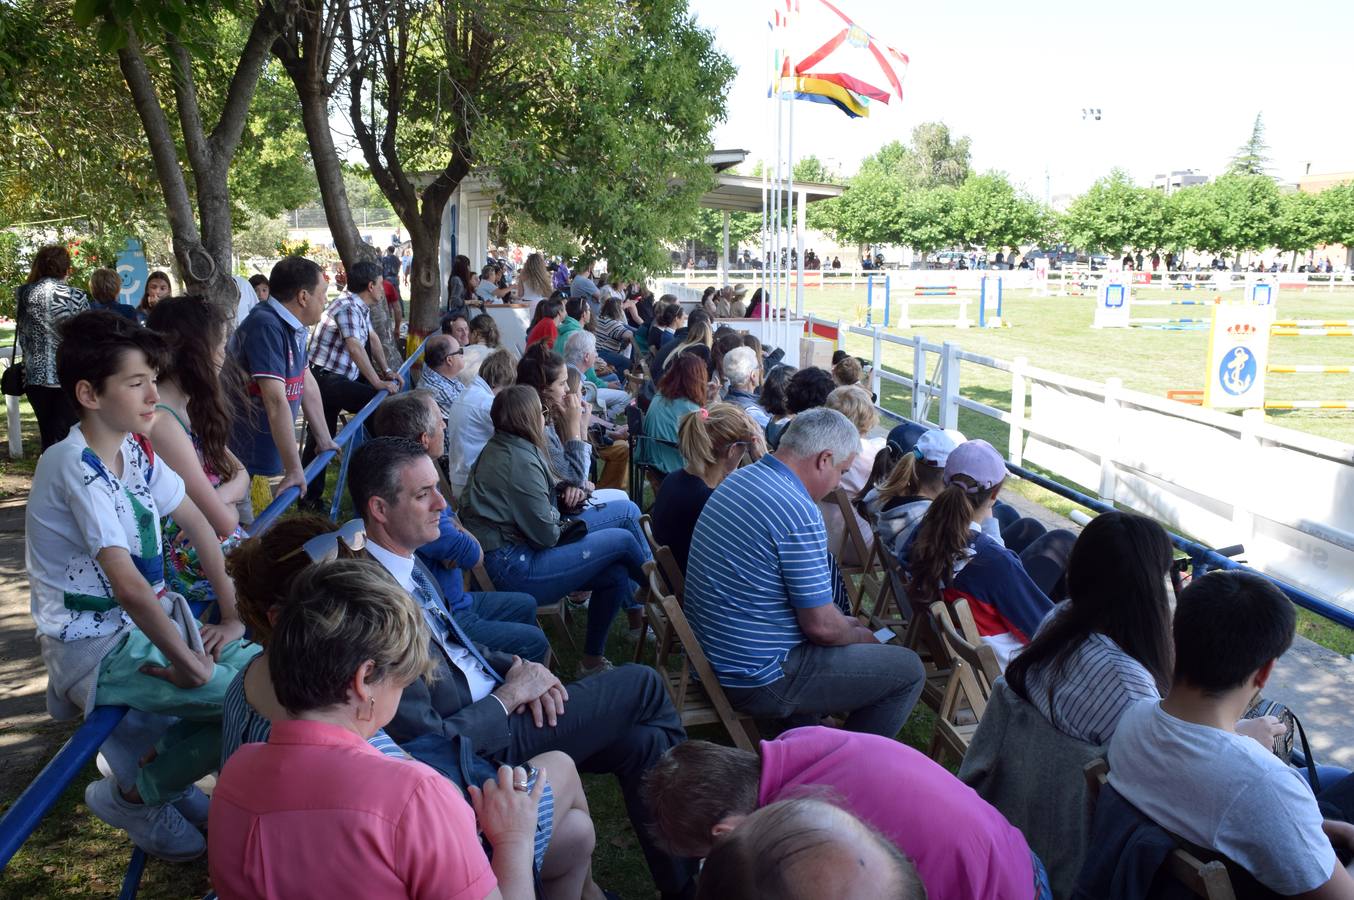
x=132 y=270
x=1238 y=351
x=1113 y=303
x=1262 y=290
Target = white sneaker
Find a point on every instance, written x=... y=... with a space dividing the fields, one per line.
x=159 y=830
x=192 y=805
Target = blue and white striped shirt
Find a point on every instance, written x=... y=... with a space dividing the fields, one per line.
x=1098 y=682
x=759 y=552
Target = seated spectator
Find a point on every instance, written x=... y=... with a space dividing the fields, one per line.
x=1109 y=644
x=157 y=288
x=697 y=340
x=847 y=371
x=712 y=445
x=546 y=322
x=458 y=326
x=854 y=403
x=803 y=849
x=191 y=433
x=804 y=389
x=614 y=335
x=759 y=592
x=726 y=339
x=743 y=370
x=738 y=306
x=109 y=632
x=347 y=360
x=43 y=301
x=510 y=506
x=772 y=398
x=905 y=494
x=612 y=484
x=443 y=360
x=681 y=391
x=343 y=651
x=270 y=347
x=104 y=287
x=708 y=301
x=669 y=318
x=259 y=282
x=1181 y=763
x=501 y=621
x=701 y=793
x=468 y=424
x=950 y=556
x=582 y=285
x=580 y=353
x=484 y=332
x=755 y=305
x=565 y=435
x=534 y=281
x=485 y=705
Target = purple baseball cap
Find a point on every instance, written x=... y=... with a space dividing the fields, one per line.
x=980 y=461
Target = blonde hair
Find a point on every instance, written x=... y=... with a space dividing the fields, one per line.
x=851 y=401
x=706 y=435
x=699 y=334
x=535 y=275
x=105 y=285
x=341 y=614
x=848 y=371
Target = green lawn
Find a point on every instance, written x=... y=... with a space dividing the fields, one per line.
x=1055 y=333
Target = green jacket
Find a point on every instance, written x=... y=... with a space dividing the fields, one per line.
x=510 y=497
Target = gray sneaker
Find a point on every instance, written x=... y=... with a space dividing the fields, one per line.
x=605 y=665
x=159 y=830
x=192 y=805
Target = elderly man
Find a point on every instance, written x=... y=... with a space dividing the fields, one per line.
x=743 y=372
x=759 y=592
x=443 y=360
x=499 y=620
x=503 y=709
x=580 y=352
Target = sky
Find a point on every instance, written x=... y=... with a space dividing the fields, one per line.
x=1178 y=85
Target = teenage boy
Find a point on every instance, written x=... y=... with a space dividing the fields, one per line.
x=270 y=346
x=1181 y=763
x=109 y=632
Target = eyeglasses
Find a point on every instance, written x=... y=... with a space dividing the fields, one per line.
x=325 y=547
x=457 y=353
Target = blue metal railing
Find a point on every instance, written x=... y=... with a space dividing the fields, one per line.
x=1201 y=557
x=27 y=812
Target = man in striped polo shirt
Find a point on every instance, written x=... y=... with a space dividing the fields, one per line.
x=759 y=592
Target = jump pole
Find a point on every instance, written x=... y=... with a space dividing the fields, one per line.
x=886 y=301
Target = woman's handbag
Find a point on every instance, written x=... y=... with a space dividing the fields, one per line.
x=571 y=531
x=1283 y=744
x=12 y=381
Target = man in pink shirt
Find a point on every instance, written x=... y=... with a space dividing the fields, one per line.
x=962 y=847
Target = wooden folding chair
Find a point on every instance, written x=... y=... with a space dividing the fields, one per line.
x=557 y=611
x=918 y=634
x=973 y=671
x=675 y=584
x=698 y=702
x=870 y=578
x=1209 y=880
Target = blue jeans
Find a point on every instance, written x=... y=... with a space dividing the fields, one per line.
x=876 y=684
x=608 y=562
x=505 y=622
x=617 y=361
x=618 y=514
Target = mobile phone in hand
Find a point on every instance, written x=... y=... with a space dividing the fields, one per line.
x=884 y=635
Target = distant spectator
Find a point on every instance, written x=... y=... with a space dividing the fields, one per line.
x=853 y=402
x=774 y=402
x=443 y=360
x=743 y=371
x=104 y=287
x=469 y=426
x=534 y=281
x=44 y=301
x=259 y=282
x=546 y=321
x=157 y=286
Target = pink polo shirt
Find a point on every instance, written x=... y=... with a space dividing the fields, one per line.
x=962 y=847
x=318 y=812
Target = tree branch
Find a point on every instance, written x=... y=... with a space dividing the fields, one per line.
x=185 y=101
x=226 y=135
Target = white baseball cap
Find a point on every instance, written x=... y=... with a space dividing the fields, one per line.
x=934 y=447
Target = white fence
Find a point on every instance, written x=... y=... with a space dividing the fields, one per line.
x=1287 y=496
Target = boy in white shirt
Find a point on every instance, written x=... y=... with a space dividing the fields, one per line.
x=1181 y=762
x=109 y=632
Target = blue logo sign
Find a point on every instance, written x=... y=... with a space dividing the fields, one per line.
x=1237 y=372
x=132 y=270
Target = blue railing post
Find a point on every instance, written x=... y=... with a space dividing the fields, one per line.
x=982 y=302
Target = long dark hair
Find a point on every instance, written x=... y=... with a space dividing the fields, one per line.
x=1116 y=579
x=460 y=268
x=194 y=329
x=942 y=537
x=539 y=368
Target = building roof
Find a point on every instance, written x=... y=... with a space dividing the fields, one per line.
x=743 y=193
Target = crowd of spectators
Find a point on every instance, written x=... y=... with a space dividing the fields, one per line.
x=388 y=718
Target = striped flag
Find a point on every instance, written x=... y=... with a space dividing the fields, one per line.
x=825 y=57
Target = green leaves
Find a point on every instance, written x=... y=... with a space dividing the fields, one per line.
x=1117 y=215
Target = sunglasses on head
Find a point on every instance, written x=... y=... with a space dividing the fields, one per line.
x=325 y=547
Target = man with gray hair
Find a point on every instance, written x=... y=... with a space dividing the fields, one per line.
x=580 y=352
x=443 y=360
x=759 y=592
x=742 y=372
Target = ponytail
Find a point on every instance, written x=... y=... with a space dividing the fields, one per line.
x=705 y=435
x=942 y=537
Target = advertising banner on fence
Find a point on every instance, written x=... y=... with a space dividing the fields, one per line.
x=1112 y=303
x=1238 y=351
x=131 y=268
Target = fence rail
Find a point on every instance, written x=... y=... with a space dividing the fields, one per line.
x=27 y=812
x=1106 y=459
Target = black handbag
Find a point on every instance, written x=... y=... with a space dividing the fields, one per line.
x=12 y=381
x=570 y=531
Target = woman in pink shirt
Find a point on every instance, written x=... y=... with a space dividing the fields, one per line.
x=317 y=811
